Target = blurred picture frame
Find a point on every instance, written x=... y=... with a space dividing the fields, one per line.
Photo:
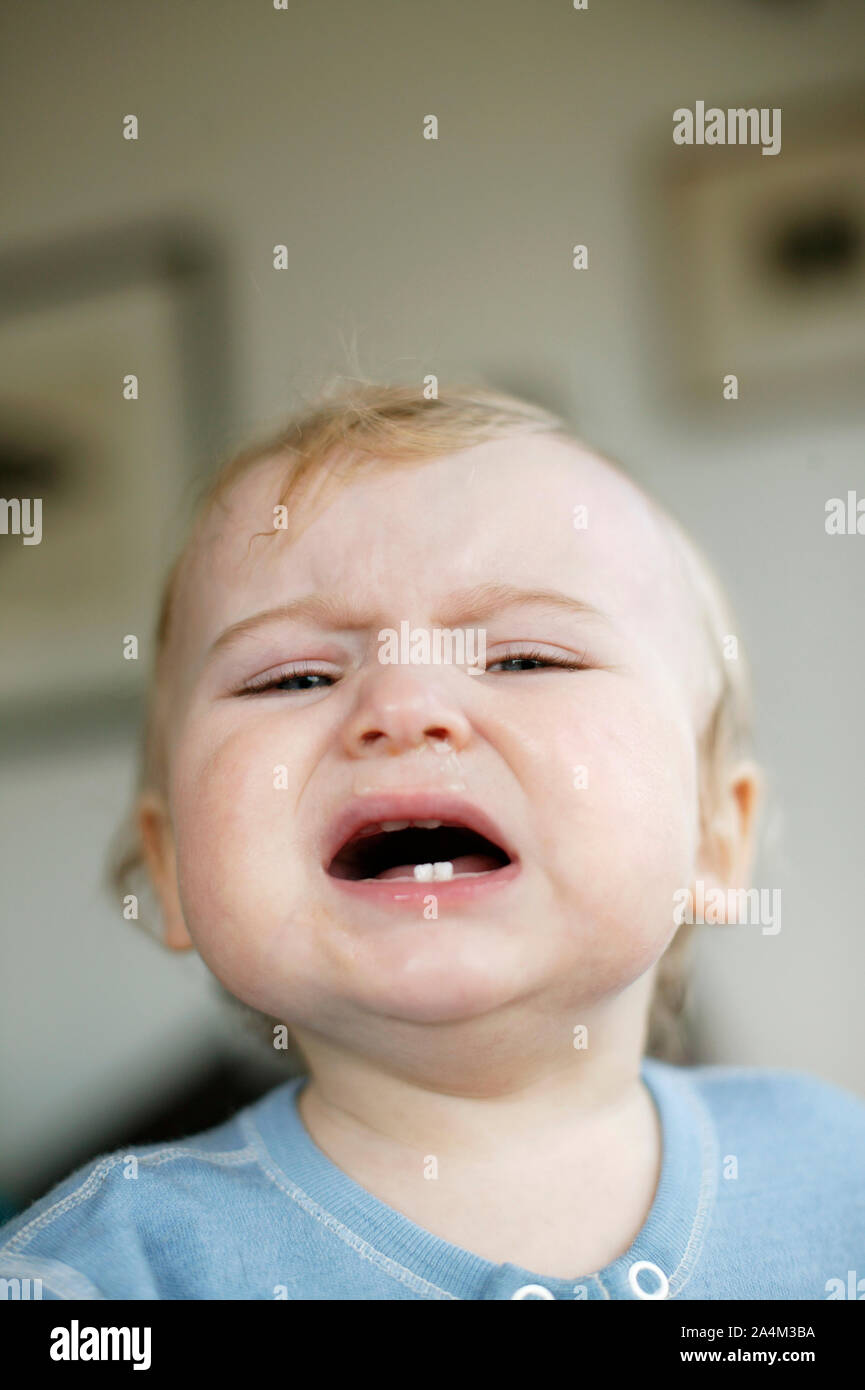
x=769 y=257
x=114 y=461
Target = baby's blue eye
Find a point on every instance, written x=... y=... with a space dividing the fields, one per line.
x=298 y=682
x=532 y=663
x=295 y=682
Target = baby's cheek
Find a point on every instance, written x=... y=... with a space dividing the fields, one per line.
x=241 y=873
x=234 y=825
x=629 y=823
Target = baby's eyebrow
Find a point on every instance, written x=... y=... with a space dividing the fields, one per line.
x=456 y=609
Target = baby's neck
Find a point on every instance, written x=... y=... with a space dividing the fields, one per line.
x=557 y=1175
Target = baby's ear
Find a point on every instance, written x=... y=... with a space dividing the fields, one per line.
x=157 y=843
x=726 y=856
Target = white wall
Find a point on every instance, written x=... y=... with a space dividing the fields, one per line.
x=303 y=127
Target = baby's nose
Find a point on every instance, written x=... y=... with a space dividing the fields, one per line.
x=401 y=709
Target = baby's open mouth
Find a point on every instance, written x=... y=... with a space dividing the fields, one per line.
x=425 y=851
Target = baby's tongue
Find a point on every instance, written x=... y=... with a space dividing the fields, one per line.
x=463 y=864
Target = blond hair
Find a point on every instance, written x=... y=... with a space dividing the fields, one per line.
x=363 y=425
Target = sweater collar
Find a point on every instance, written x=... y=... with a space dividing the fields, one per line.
x=658 y=1263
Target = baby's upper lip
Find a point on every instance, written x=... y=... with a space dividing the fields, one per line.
x=374 y=808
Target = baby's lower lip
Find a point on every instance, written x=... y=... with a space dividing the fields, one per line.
x=412 y=892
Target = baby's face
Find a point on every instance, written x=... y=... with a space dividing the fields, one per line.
x=586 y=777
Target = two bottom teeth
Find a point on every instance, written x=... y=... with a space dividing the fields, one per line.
x=427 y=873
x=441 y=872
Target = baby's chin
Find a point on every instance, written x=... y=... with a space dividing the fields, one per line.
x=307 y=965
x=451 y=974
x=434 y=984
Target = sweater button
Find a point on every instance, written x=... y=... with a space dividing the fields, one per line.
x=533 y=1291
x=662 y=1287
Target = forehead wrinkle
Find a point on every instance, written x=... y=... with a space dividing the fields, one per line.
x=483 y=597
x=483 y=600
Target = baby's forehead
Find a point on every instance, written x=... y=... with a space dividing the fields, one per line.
x=536 y=510
x=549 y=499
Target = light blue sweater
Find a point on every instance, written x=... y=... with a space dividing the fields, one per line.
x=762 y=1195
